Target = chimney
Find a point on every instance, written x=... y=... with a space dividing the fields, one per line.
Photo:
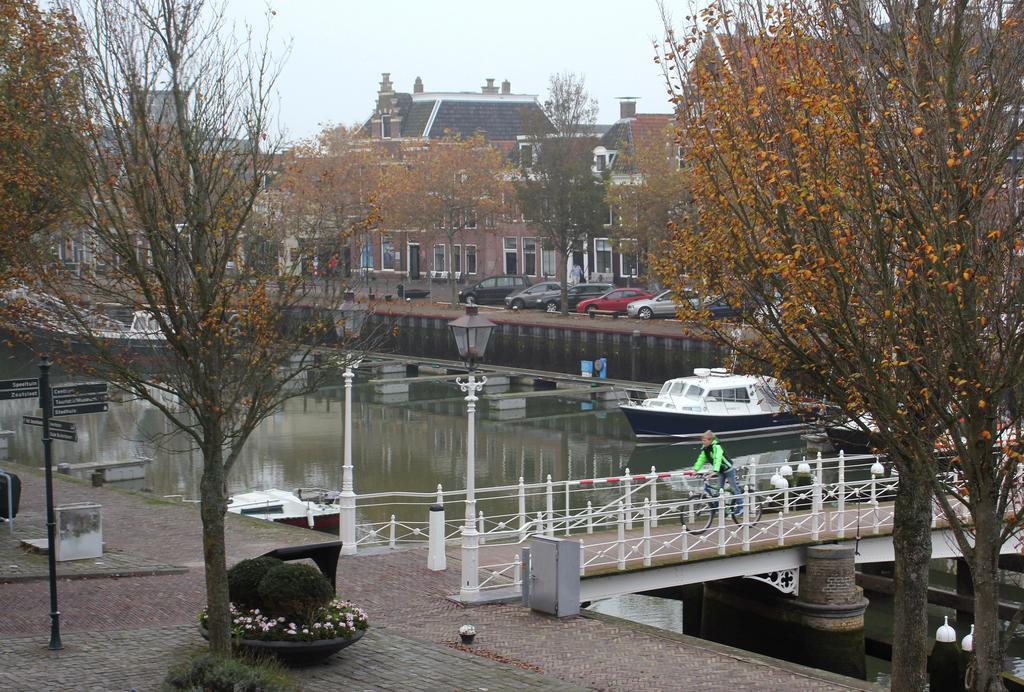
x=385 y=83
x=506 y=87
x=489 y=88
x=417 y=86
x=627 y=107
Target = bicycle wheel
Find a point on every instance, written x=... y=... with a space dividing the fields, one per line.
x=752 y=511
x=703 y=510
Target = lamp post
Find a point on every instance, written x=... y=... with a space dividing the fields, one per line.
x=348 y=323
x=471 y=333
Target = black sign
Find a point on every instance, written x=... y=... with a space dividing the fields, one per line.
x=63 y=435
x=75 y=400
x=76 y=410
x=62 y=425
x=83 y=388
x=27 y=388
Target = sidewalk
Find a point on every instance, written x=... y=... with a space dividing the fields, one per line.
x=123 y=633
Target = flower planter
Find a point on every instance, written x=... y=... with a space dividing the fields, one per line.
x=467 y=638
x=294 y=653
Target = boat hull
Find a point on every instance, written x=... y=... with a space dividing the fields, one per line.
x=321 y=522
x=652 y=424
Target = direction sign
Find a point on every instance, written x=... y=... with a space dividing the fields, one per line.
x=75 y=400
x=54 y=424
x=63 y=435
x=84 y=408
x=82 y=388
x=26 y=388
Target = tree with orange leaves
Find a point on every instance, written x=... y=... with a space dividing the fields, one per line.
x=37 y=110
x=328 y=188
x=445 y=186
x=854 y=175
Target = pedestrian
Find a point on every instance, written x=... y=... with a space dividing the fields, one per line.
x=576 y=274
x=711 y=451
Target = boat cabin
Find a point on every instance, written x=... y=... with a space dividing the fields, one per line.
x=716 y=391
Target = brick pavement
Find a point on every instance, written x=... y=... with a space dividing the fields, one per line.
x=104 y=619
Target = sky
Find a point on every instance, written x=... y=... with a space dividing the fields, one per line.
x=339 y=48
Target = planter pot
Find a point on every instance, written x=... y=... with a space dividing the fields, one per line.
x=467 y=638
x=294 y=653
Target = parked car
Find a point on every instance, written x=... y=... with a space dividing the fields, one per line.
x=664 y=304
x=720 y=309
x=535 y=296
x=575 y=294
x=613 y=301
x=494 y=289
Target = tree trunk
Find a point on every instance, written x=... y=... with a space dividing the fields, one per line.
x=912 y=542
x=454 y=290
x=212 y=508
x=984 y=564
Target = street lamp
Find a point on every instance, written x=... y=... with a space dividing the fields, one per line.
x=348 y=323
x=471 y=332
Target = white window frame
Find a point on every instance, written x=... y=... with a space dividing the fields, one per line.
x=514 y=250
x=472 y=254
x=536 y=257
x=597 y=256
x=548 y=262
x=386 y=241
x=457 y=260
x=636 y=260
x=443 y=256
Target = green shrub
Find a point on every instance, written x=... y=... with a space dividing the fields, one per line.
x=295 y=590
x=245 y=577
x=208 y=672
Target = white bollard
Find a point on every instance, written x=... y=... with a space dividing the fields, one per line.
x=437 y=560
x=391 y=532
x=550 y=493
x=590 y=517
x=841 y=495
x=522 y=504
x=647 y=532
x=628 y=495
x=622 y=535
x=654 y=497
x=480 y=527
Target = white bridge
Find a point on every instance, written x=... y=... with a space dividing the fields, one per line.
x=636 y=531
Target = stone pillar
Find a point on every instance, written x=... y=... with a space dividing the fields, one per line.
x=832 y=605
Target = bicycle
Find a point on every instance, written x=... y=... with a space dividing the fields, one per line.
x=705 y=506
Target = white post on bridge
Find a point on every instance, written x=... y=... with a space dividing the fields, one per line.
x=470 y=537
x=841 y=496
x=522 y=505
x=628 y=493
x=654 y=497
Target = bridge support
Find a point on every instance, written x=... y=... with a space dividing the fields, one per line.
x=823 y=627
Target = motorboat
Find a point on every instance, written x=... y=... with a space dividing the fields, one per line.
x=313 y=508
x=732 y=406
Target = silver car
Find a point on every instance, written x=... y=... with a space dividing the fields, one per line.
x=662 y=305
x=534 y=296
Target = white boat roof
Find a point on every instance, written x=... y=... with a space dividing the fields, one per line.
x=721 y=381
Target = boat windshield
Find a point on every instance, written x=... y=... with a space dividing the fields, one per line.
x=681 y=389
x=694 y=391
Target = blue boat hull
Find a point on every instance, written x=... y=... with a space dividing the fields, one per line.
x=653 y=424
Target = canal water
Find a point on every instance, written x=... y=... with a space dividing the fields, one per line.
x=413 y=443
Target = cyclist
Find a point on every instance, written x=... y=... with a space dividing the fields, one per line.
x=721 y=464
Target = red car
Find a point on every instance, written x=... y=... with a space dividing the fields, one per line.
x=613 y=301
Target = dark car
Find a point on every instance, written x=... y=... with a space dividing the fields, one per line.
x=720 y=309
x=535 y=296
x=577 y=294
x=494 y=289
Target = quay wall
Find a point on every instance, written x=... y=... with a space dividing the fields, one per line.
x=640 y=356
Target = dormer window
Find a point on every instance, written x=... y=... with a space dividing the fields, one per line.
x=599 y=162
x=385 y=126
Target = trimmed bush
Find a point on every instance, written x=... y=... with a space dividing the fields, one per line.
x=210 y=673
x=295 y=590
x=245 y=577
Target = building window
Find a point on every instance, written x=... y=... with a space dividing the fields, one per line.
x=548 y=262
x=385 y=126
x=602 y=256
x=456 y=258
x=387 y=253
x=530 y=256
x=526 y=155
x=470 y=219
x=471 y=259
x=599 y=162
x=511 y=256
x=611 y=216
x=627 y=263
x=439 y=258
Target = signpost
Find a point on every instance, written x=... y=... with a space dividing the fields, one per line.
x=63 y=400
x=19 y=389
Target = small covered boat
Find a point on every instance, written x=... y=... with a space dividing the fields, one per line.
x=314 y=508
x=732 y=406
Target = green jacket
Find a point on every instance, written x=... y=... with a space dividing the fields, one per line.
x=719 y=462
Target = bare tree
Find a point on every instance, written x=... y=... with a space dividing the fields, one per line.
x=175 y=160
